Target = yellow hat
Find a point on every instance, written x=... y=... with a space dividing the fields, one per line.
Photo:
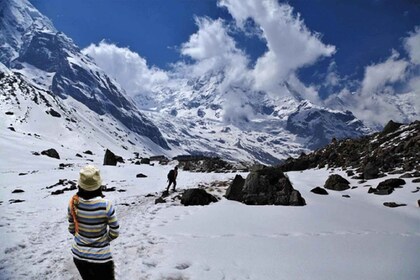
x=90 y=178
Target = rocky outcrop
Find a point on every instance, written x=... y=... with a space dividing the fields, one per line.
x=387 y=187
x=197 y=197
x=394 y=204
x=395 y=148
x=266 y=186
x=111 y=159
x=234 y=192
x=337 y=183
x=51 y=153
x=319 y=190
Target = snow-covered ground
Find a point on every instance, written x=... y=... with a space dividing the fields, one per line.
x=332 y=237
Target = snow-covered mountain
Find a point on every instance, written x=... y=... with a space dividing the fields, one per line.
x=201 y=115
x=238 y=123
x=49 y=60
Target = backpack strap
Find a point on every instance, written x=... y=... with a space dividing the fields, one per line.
x=73 y=202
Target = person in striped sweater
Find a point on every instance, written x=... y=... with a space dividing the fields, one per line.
x=93 y=222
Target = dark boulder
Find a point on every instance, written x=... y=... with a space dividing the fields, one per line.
x=387 y=187
x=337 y=183
x=391 y=183
x=418 y=203
x=370 y=171
x=197 y=197
x=54 y=113
x=393 y=204
x=111 y=159
x=319 y=190
x=51 y=153
x=18 y=191
x=268 y=186
x=141 y=175
x=88 y=152
x=390 y=127
x=234 y=192
x=145 y=161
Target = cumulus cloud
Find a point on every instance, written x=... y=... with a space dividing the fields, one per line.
x=412 y=45
x=214 y=50
x=381 y=74
x=291 y=45
x=377 y=99
x=127 y=67
x=210 y=41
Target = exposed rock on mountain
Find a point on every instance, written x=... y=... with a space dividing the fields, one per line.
x=319 y=125
x=31 y=45
x=395 y=151
x=337 y=183
x=266 y=186
x=197 y=197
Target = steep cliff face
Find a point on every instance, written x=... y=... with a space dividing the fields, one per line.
x=30 y=43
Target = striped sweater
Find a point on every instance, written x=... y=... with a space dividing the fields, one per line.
x=97 y=226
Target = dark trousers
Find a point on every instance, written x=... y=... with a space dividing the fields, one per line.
x=93 y=271
x=171 y=181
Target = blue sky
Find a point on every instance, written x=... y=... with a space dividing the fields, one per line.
x=363 y=31
x=363 y=53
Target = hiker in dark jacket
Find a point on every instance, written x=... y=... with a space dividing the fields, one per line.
x=93 y=222
x=172 y=178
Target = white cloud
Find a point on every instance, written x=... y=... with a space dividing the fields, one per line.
x=210 y=41
x=412 y=45
x=381 y=74
x=127 y=68
x=291 y=45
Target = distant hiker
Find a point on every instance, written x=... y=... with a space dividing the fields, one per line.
x=93 y=222
x=172 y=178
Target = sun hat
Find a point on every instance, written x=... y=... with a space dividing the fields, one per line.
x=90 y=178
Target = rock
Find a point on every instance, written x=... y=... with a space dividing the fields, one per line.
x=197 y=197
x=268 y=186
x=406 y=175
x=390 y=127
x=57 y=192
x=18 y=191
x=336 y=183
x=418 y=203
x=296 y=199
x=160 y=200
x=393 y=204
x=346 y=196
x=79 y=155
x=234 y=192
x=141 y=175
x=145 y=161
x=88 y=152
x=11 y=201
x=54 y=113
x=350 y=173
x=319 y=190
x=416 y=180
x=64 y=165
x=51 y=153
x=106 y=189
x=395 y=182
x=370 y=171
x=111 y=159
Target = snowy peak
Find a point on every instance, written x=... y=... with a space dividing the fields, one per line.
x=18 y=18
x=318 y=126
x=33 y=47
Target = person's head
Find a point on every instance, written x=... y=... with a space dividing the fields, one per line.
x=90 y=182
